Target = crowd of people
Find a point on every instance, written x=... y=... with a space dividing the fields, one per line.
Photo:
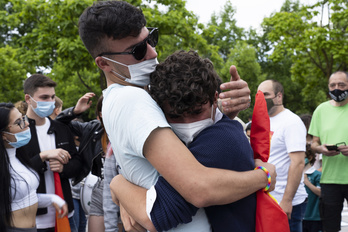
x=166 y=151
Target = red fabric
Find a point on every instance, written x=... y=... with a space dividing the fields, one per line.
x=269 y=215
x=62 y=224
x=260 y=129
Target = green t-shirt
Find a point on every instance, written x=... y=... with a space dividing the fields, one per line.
x=330 y=124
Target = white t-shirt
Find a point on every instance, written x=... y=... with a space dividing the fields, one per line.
x=129 y=116
x=289 y=135
x=47 y=142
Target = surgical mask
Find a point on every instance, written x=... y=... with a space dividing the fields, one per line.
x=139 y=73
x=338 y=95
x=188 y=131
x=43 y=108
x=22 y=138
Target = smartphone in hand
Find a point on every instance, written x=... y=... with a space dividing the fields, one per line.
x=332 y=147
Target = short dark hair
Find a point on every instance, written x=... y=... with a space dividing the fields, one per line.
x=185 y=81
x=35 y=81
x=109 y=19
x=277 y=87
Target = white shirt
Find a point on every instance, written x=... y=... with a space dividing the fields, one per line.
x=289 y=135
x=47 y=142
x=129 y=116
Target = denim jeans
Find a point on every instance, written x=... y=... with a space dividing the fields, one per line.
x=79 y=216
x=297 y=215
x=72 y=224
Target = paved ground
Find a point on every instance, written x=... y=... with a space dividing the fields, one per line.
x=344 y=223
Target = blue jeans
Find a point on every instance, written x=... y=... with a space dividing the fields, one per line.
x=72 y=224
x=297 y=215
x=79 y=216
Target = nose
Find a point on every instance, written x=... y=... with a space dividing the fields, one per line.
x=150 y=53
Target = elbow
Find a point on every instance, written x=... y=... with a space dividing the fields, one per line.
x=201 y=202
x=201 y=196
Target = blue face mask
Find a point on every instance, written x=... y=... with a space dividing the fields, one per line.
x=43 y=108
x=22 y=138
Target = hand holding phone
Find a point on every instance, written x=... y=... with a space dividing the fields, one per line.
x=332 y=147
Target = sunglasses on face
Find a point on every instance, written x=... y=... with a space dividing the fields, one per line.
x=139 y=50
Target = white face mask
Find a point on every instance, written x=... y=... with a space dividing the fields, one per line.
x=188 y=131
x=139 y=73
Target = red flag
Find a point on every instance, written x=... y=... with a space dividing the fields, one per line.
x=269 y=215
x=62 y=224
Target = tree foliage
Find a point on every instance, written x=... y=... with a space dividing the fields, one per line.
x=316 y=48
x=42 y=36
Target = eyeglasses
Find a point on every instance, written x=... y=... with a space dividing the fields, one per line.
x=139 y=50
x=21 y=122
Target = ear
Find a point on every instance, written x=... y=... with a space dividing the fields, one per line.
x=27 y=98
x=103 y=64
x=216 y=97
x=55 y=111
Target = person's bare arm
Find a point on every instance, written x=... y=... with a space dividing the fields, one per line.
x=294 y=179
x=312 y=187
x=133 y=200
x=237 y=98
x=199 y=185
x=321 y=148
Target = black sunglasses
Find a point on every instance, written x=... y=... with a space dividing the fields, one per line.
x=139 y=50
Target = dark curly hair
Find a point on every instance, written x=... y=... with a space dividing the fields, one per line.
x=185 y=81
x=109 y=19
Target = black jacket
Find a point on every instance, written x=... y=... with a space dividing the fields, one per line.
x=90 y=148
x=64 y=140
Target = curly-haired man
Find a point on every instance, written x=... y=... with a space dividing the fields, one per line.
x=185 y=87
x=115 y=34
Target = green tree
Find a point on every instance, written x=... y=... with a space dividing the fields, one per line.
x=316 y=48
x=223 y=31
x=12 y=75
x=44 y=35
